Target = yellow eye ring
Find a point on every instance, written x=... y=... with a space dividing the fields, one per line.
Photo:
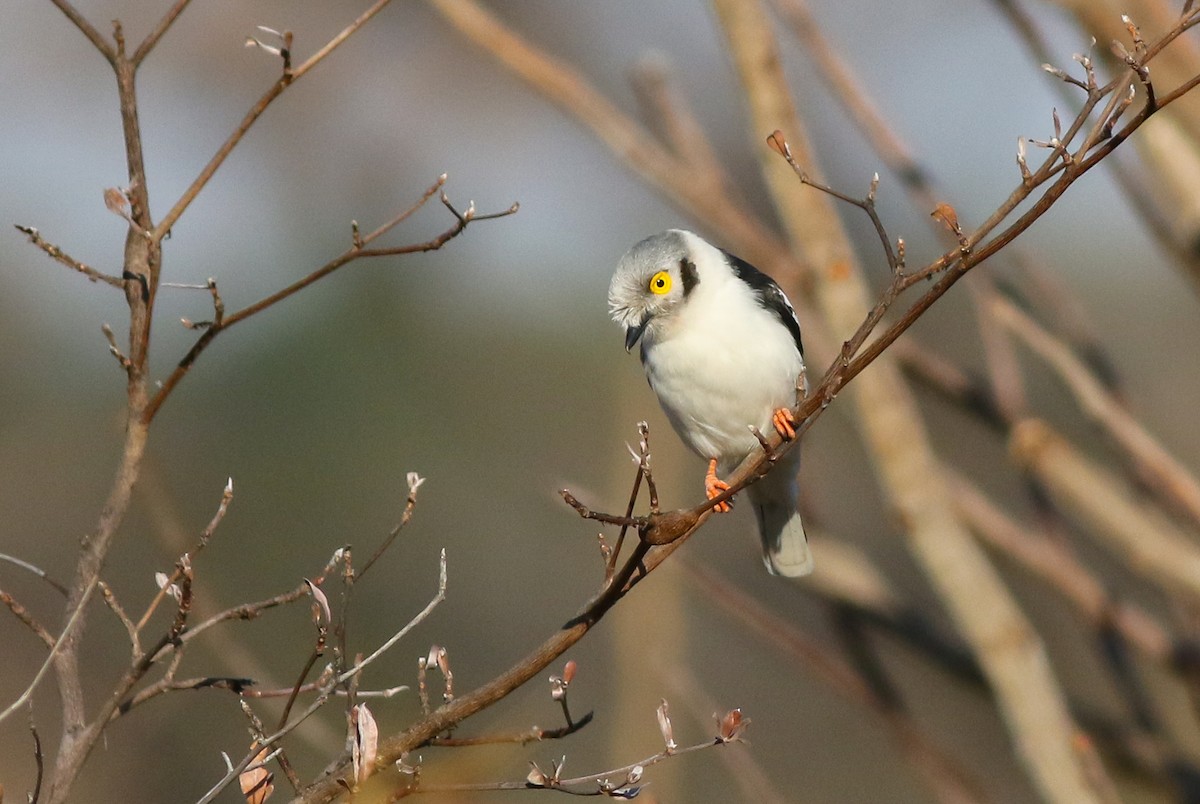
x=660 y=283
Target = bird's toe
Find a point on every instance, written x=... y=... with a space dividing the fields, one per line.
x=785 y=423
x=715 y=486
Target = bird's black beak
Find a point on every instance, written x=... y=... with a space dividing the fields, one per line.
x=632 y=334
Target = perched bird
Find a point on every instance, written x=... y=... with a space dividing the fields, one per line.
x=721 y=347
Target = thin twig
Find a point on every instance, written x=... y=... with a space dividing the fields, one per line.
x=414 y=483
x=23 y=614
x=333 y=683
x=288 y=78
x=106 y=49
x=131 y=629
x=356 y=251
x=62 y=257
x=38 y=571
x=202 y=542
x=565 y=785
x=55 y=649
x=38 y=759
x=438 y=598
x=534 y=734
x=159 y=31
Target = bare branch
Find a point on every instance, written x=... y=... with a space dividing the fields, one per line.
x=222 y=508
x=38 y=759
x=159 y=31
x=425 y=612
x=38 y=571
x=106 y=49
x=619 y=782
x=23 y=614
x=356 y=251
x=287 y=79
x=61 y=256
x=55 y=649
x=415 y=482
x=114 y=349
x=110 y=600
x=334 y=682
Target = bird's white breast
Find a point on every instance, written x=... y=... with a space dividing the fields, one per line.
x=724 y=363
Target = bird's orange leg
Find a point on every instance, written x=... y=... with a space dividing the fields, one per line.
x=785 y=423
x=714 y=486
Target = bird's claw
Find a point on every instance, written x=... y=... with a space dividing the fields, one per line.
x=715 y=486
x=785 y=423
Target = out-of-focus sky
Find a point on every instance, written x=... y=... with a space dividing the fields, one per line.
x=490 y=367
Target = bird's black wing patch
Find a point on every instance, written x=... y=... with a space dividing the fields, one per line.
x=691 y=277
x=769 y=294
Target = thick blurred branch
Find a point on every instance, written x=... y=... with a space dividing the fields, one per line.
x=1149 y=542
x=1005 y=643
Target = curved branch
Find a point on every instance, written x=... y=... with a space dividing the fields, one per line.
x=355 y=252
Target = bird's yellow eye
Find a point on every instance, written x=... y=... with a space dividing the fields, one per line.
x=660 y=283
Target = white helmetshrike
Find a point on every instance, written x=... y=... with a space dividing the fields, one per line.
x=721 y=347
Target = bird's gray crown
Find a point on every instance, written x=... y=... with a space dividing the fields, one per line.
x=628 y=298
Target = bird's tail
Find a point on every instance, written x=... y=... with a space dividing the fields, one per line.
x=785 y=547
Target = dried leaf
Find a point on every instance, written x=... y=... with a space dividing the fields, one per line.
x=320 y=603
x=366 y=743
x=731 y=726
x=946 y=214
x=256 y=782
x=116 y=201
x=778 y=144
x=535 y=778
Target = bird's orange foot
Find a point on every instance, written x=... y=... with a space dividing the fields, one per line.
x=715 y=486
x=785 y=423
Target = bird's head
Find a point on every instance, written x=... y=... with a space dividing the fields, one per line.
x=652 y=283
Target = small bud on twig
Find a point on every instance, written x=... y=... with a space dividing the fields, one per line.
x=664 y=726
x=162 y=581
x=1026 y=176
x=731 y=726
x=779 y=145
